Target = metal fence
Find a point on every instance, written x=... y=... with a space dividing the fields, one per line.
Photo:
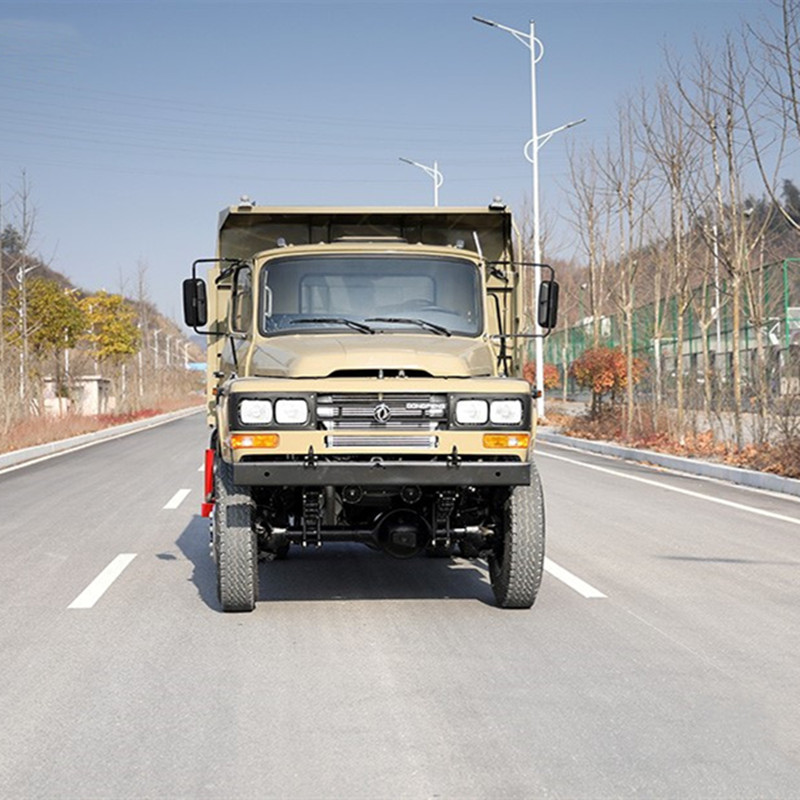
x=769 y=335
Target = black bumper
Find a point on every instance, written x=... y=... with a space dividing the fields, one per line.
x=382 y=473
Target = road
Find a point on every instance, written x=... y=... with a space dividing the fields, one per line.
x=660 y=659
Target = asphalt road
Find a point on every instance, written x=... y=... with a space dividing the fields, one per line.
x=660 y=660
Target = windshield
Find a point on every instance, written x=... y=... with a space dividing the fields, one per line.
x=370 y=294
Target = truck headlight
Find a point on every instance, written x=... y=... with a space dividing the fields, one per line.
x=506 y=412
x=255 y=412
x=291 y=412
x=472 y=412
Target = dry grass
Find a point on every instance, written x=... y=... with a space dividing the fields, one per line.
x=780 y=458
x=40 y=430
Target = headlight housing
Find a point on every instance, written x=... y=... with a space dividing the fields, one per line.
x=269 y=411
x=292 y=411
x=490 y=411
x=472 y=412
x=255 y=412
x=505 y=412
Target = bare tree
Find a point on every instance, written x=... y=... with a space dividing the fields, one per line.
x=773 y=124
x=626 y=176
x=670 y=143
x=5 y=409
x=18 y=262
x=712 y=93
x=588 y=213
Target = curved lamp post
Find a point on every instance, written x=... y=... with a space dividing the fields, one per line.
x=536 y=141
x=433 y=172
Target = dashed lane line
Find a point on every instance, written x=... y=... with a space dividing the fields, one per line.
x=551 y=568
x=98 y=587
x=573 y=581
x=177 y=499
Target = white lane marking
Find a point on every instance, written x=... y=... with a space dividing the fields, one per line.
x=559 y=573
x=177 y=499
x=729 y=503
x=98 y=587
x=573 y=581
x=201 y=468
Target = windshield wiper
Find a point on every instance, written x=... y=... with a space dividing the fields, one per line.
x=356 y=326
x=423 y=323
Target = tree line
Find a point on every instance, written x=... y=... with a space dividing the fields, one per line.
x=681 y=211
x=52 y=332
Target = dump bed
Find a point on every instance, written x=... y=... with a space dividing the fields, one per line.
x=245 y=229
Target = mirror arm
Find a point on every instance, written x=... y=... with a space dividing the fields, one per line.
x=502 y=356
x=521 y=335
x=232 y=264
x=500 y=268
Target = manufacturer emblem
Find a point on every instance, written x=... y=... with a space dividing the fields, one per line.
x=382 y=413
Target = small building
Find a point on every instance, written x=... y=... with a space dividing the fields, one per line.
x=87 y=395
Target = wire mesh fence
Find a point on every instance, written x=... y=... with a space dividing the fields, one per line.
x=699 y=337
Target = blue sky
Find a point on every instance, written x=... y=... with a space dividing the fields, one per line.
x=136 y=122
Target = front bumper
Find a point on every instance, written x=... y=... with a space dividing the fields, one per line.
x=380 y=471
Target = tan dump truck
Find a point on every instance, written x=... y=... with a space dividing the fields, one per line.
x=363 y=386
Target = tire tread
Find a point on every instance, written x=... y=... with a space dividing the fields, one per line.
x=235 y=542
x=516 y=573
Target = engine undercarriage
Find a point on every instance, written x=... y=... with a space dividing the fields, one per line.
x=402 y=521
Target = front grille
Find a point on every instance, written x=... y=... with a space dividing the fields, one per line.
x=418 y=442
x=383 y=412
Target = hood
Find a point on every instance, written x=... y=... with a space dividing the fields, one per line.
x=321 y=355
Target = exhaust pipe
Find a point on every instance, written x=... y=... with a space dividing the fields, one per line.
x=402 y=533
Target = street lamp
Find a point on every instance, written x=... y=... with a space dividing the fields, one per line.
x=155 y=339
x=433 y=172
x=544 y=138
x=717 y=298
x=536 y=141
x=22 y=271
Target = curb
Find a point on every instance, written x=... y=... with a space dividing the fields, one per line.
x=38 y=452
x=693 y=466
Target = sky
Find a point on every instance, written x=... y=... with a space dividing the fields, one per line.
x=134 y=123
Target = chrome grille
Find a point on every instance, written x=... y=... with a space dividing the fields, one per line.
x=383 y=412
x=418 y=442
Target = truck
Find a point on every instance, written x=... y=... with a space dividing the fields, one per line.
x=363 y=385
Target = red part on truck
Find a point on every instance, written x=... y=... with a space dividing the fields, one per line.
x=208 y=504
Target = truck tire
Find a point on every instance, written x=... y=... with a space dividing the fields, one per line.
x=235 y=545
x=517 y=562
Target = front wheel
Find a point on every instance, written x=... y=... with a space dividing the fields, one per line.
x=517 y=562
x=235 y=545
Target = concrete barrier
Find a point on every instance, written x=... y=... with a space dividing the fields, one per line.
x=693 y=466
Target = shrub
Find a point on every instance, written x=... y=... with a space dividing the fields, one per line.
x=604 y=370
x=552 y=379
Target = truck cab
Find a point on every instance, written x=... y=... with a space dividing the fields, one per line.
x=363 y=386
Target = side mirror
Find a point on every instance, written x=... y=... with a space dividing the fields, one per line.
x=547 y=307
x=195 y=307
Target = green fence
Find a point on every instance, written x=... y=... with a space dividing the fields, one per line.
x=769 y=332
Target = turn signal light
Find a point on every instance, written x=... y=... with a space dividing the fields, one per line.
x=251 y=441
x=506 y=440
